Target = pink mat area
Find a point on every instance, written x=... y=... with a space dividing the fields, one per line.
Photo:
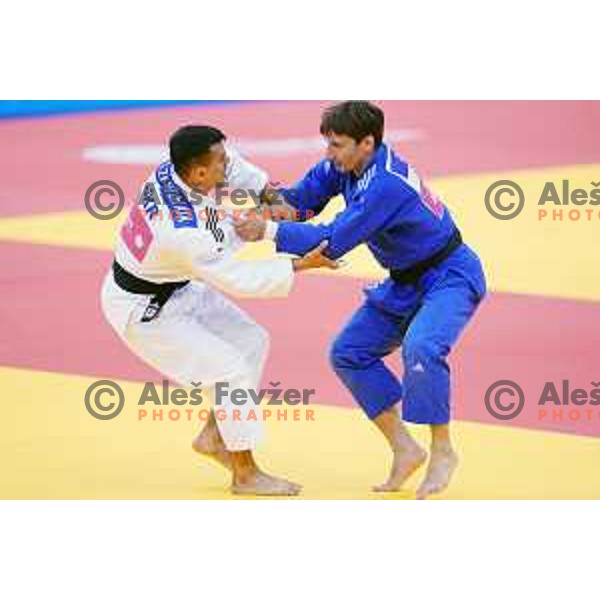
x=43 y=170
x=50 y=320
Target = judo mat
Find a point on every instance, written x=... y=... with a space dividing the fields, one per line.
x=540 y=322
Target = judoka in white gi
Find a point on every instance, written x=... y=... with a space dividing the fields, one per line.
x=173 y=258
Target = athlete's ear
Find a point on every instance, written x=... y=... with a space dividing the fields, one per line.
x=368 y=143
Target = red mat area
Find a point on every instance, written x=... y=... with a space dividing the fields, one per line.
x=43 y=170
x=50 y=320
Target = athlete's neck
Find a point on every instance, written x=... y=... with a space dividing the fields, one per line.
x=360 y=168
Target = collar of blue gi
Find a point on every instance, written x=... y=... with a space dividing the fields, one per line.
x=379 y=155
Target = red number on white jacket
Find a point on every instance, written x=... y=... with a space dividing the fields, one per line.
x=136 y=234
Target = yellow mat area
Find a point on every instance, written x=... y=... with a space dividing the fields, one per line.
x=523 y=255
x=50 y=447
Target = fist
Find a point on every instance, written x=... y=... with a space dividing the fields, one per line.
x=250 y=231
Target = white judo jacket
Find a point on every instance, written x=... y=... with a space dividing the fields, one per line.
x=174 y=234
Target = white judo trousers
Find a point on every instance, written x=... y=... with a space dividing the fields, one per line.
x=199 y=335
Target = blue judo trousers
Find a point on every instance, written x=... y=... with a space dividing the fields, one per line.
x=423 y=306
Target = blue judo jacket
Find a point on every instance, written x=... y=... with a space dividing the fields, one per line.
x=389 y=209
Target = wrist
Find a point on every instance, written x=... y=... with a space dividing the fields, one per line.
x=269 y=195
x=270 y=230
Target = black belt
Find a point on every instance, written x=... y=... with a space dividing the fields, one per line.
x=160 y=292
x=414 y=273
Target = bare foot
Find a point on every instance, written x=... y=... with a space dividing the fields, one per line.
x=442 y=465
x=210 y=448
x=406 y=462
x=261 y=484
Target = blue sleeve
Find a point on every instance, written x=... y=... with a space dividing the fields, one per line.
x=299 y=238
x=315 y=189
x=380 y=205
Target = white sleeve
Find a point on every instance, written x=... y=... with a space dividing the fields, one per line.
x=217 y=265
x=247 y=278
x=241 y=174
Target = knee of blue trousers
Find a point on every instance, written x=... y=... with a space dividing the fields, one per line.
x=422 y=350
x=358 y=370
x=343 y=356
x=426 y=381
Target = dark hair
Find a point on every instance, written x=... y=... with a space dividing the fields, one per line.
x=355 y=118
x=191 y=144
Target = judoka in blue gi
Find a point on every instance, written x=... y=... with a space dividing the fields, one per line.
x=434 y=286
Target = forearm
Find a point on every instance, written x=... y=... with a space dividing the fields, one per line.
x=296 y=238
x=250 y=278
